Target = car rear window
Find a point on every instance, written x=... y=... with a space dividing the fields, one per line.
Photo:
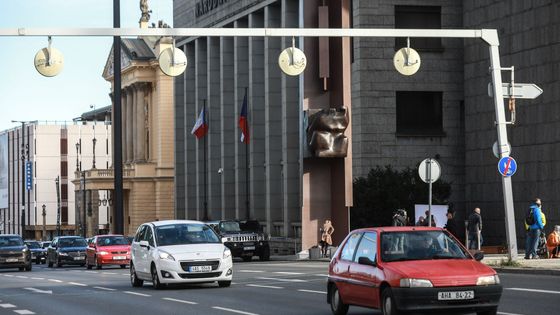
x=33 y=244
x=7 y=241
x=72 y=242
x=419 y=245
x=112 y=241
x=187 y=233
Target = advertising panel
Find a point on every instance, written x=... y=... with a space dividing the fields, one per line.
x=3 y=170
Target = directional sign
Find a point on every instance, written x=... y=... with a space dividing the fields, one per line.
x=507 y=166
x=519 y=90
x=429 y=171
x=28 y=175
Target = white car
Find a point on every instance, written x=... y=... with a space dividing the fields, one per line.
x=179 y=251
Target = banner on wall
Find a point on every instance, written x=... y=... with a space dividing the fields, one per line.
x=3 y=170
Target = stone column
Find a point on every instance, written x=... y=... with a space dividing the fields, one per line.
x=140 y=128
x=129 y=123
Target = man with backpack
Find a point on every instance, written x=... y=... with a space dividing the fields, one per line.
x=534 y=223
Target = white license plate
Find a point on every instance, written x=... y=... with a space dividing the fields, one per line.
x=200 y=268
x=249 y=248
x=119 y=257
x=79 y=258
x=456 y=295
x=11 y=260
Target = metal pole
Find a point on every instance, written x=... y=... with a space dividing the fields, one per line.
x=57 y=181
x=117 y=124
x=205 y=217
x=84 y=220
x=23 y=177
x=247 y=187
x=429 y=177
x=44 y=213
x=503 y=145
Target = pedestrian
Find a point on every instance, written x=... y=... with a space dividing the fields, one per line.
x=426 y=222
x=400 y=218
x=326 y=240
x=474 y=229
x=451 y=224
x=553 y=243
x=421 y=221
x=534 y=223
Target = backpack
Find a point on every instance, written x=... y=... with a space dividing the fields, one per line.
x=530 y=217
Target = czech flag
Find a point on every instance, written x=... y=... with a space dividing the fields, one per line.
x=244 y=121
x=200 y=127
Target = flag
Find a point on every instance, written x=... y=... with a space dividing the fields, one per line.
x=244 y=121
x=200 y=127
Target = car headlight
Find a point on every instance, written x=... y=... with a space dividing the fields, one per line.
x=415 y=283
x=63 y=254
x=164 y=255
x=488 y=280
x=227 y=253
x=103 y=253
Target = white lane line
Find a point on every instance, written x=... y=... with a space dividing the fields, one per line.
x=9 y=276
x=533 y=290
x=22 y=277
x=312 y=291
x=38 y=290
x=282 y=280
x=136 y=293
x=288 y=273
x=503 y=313
x=90 y=271
x=264 y=286
x=37 y=278
x=54 y=280
x=24 y=312
x=180 y=301
x=250 y=271
x=78 y=284
x=109 y=273
x=321 y=275
x=7 y=305
x=106 y=289
x=232 y=310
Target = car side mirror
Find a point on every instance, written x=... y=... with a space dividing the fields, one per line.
x=144 y=244
x=478 y=256
x=366 y=261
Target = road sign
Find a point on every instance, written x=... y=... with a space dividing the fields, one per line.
x=429 y=171
x=28 y=175
x=497 y=152
x=519 y=90
x=507 y=166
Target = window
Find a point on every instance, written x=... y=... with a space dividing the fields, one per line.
x=148 y=236
x=419 y=113
x=367 y=247
x=427 y=17
x=350 y=247
x=139 y=234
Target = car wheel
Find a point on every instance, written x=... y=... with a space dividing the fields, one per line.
x=155 y=279
x=247 y=258
x=123 y=266
x=337 y=306
x=21 y=268
x=493 y=311
x=388 y=306
x=49 y=263
x=29 y=266
x=224 y=284
x=58 y=264
x=265 y=256
x=38 y=261
x=134 y=278
x=97 y=265
x=88 y=266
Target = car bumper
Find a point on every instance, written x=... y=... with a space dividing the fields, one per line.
x=71 y=261
x=172 y=272
x=113 y=260
x=240 y=249
x=426 y=299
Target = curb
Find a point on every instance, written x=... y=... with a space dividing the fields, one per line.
x=548 y=272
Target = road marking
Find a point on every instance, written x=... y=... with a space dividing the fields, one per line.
x=78 y=284
x=321 y=275
x=7 y=305
x=312 y=291
x=250 y=271
x=106 y=289
x=136 y=293
x=37 y=278
x=282 y=280
x=180 y=301
x=502 y=313
x=24 y=312
x=109 y=273
x=264 y=286
x=10 y=276
x=54 y=280
x=22 y=277
x=289 y=273
x=39 y=291
x=232 y=310
x=90 y=271
x=534 y=290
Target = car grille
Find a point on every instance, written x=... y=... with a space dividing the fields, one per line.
x=199 y=275
x=76 y=254
x=186 y=264
x=11 y=255
x=116 y=253
x=243 y=238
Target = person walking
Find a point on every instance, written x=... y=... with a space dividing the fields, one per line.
x=474 y=228
x=451 y=224
x=553 y=243
x=326 y=240
x=535 y=224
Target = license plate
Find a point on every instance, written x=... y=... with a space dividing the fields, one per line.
x=11 y=260
x=456 y=295
x=119 y=257
x=79 y=258
x=249 y=248
x=200 y=268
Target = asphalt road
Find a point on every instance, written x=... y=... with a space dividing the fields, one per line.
x=258 y=288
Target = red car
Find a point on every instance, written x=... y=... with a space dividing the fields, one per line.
x=108 y=250
x=403 y=269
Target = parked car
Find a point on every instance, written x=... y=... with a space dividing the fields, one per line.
x=402 y=269
x=244 y=239
x=38 y=254
x=106 y=250
x=179 y=251
x=69 y=250
x=14 y=253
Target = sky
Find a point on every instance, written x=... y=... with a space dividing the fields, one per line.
x=27 y=95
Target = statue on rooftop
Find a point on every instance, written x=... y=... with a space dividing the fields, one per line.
x=145 y=11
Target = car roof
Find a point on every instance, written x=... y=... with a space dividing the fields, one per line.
x=105 y=235
x=398 y=229
x=69 y=236
x=168 y=222
x=10 y=235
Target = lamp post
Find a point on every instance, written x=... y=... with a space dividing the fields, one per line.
x=78 y=147
x=94 y=142
x=44 y=213
x=24 y=156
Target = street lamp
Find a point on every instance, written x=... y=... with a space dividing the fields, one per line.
x=44 y=213
x=78 y=147
x=94 y=142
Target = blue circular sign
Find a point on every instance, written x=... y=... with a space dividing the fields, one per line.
x=507 y=166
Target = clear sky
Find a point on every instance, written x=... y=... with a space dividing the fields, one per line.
x=27 y=95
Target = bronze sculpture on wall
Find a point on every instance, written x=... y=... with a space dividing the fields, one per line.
x=325 y=132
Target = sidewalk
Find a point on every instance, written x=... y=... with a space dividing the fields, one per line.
x=527 y=266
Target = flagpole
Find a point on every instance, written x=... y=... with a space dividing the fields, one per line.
x=247 y=210
x=205 y=218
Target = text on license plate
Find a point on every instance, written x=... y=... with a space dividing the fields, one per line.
x=119 y=257
x=456 y=295
x=200 y=268
x=11 y=259
x=79 y=258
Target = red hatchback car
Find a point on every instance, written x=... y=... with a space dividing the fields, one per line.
x=404 y=269
x=108 y=250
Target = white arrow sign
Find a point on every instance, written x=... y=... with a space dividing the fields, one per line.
x=39 y=291
x=519 y=90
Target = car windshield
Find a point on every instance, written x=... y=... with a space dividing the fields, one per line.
x=7 y=241
x=72 y=242
x=33 y=244
x=230 y=226
x=112 y=240
x=419 y=245
x=185 y=233
x=45 y=244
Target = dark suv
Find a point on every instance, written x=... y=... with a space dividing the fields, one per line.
x=14 y=253
x=244 y=239
x=69 y=250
